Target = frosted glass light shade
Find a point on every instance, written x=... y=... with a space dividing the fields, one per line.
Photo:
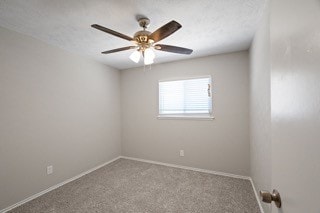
x=148 y=56
x=135 y=56
x=147 y=62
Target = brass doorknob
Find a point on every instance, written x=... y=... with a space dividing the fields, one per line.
x=267 y=197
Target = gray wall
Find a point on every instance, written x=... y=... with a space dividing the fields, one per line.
x=221 y=144
x=57 y=109
x=260 y=108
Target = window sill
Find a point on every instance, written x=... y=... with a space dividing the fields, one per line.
x=184 y=117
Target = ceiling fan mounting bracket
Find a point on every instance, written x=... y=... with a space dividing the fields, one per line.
x=144 y=22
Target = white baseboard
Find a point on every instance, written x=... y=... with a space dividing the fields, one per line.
x=188 y=168
x=257 y=196
x=55 y=186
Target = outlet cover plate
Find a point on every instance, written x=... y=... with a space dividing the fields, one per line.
x=49 y=170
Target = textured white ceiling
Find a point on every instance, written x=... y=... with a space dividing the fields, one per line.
x=208 y=26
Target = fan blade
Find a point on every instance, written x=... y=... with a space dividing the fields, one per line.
x=112 y=32
x=165 y=31
x=119 y=49
x=173 y=49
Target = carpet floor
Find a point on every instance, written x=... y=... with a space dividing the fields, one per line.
x=132 y=186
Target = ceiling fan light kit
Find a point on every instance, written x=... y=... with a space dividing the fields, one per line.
x=148 y=56
x=144 y=41
x=135 y=56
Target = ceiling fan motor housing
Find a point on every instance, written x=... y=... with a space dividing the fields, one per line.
x=142 y=39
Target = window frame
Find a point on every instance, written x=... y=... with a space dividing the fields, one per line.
x=195 y=116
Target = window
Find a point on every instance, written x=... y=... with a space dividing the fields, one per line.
x=187 y=98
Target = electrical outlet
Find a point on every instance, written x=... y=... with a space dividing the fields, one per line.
x=49 y=170
x=181 y=153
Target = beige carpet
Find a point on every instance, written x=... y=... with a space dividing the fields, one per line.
x=132 y=186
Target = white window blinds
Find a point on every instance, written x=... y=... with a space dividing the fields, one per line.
x=185 y=97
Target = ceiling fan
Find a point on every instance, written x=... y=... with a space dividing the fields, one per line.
x=144 y=41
